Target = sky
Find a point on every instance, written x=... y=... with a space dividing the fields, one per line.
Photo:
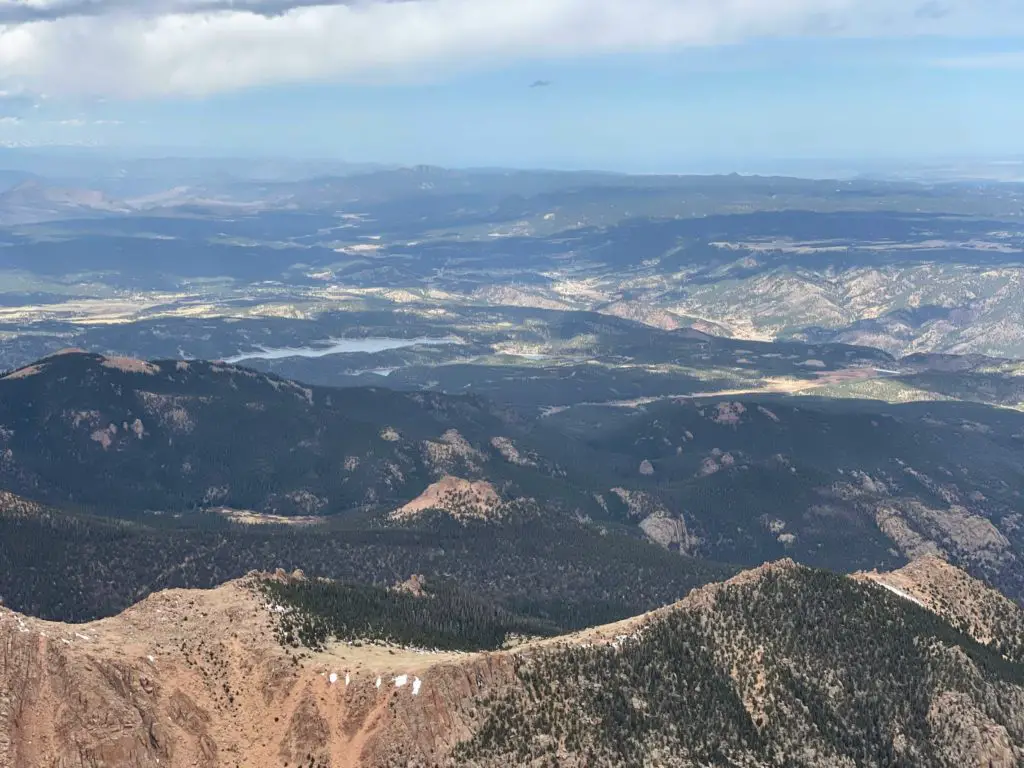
x=634 y=85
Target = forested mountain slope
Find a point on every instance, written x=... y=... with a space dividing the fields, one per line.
x=781 y=666
x=128 y=435
x=191 y=452
x=70 y=566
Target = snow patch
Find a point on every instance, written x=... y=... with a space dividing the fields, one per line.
x=401 y=680
x=333 y=677
x=899 y=592
x=416 y=686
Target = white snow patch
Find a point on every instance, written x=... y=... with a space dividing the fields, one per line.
x=401 y=680
x=151 y=659
x=348 y=679
x=333 y=677
x=416 y=686
x=377 y=684
x=901 y=593
x=80 y=636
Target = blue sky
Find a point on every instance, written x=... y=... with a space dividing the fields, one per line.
x=729 y=83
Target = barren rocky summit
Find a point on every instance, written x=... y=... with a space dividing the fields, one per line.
x=196 y=678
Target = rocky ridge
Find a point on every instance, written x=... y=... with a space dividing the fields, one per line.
x=196 y=678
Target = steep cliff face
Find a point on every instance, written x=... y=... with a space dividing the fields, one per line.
x=197 y=678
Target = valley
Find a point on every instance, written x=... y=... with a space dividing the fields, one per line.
x=426 y=467
x=476 y=277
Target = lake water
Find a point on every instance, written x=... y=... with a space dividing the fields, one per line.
x=338 y=347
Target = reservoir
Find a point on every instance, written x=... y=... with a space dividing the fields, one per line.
x=338 y=347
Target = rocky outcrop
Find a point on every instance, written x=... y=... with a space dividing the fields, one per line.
x=458 y=497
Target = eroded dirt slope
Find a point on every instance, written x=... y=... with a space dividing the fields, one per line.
x=196 y=678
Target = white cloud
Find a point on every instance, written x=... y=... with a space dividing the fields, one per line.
x=155 y=47
x=8 y=120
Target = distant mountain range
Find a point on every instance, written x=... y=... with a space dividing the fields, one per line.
x=32 y=201
x=907 y=268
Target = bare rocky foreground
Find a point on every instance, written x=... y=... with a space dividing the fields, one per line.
x=196 y=678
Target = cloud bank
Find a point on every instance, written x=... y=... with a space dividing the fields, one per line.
x=146 y=48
